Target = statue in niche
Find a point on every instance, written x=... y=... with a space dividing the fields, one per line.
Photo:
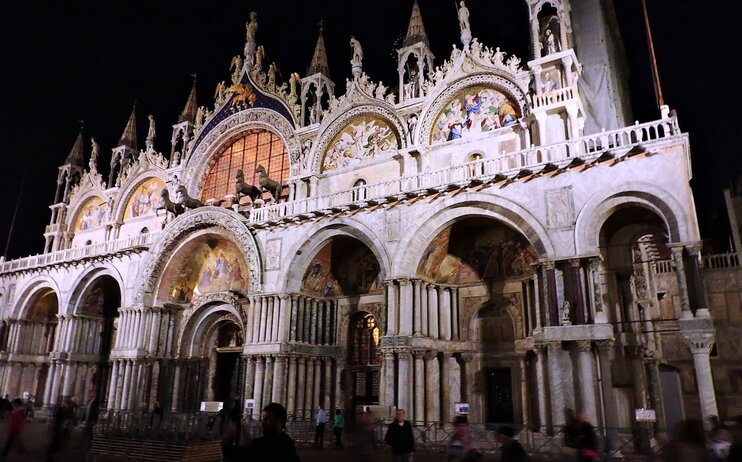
x=306 y=147
x=411 y=124
x=463 y=17
x=95 y=151
x=357 y=58
x=549 y=42
x=293 y=84
x=267 y=184
x=312 y=115
x=565 y=312
x=411 y=85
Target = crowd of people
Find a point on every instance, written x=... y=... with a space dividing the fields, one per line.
x=691 y=441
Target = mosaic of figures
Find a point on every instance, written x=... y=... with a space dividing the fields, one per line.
x=212 y=265
x=364 y=138
x=145 y=199
x=472 y=251
x=473 y=111
x=92 y=214
x=342 y=268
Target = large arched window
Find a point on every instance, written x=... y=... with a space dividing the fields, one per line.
x=364 y=344
x=255 y=147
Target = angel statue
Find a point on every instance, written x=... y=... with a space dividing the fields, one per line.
x=565 y=312
x=259 y=56
x=151 y=133
x=236 y=64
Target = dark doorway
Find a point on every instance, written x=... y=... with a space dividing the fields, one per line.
x=365 y=387
x=499 y=395
x=226 y=377
x=364 y=359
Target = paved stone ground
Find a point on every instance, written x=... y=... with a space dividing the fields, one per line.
x=36 y=440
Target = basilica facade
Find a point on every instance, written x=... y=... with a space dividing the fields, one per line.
x=494 y=231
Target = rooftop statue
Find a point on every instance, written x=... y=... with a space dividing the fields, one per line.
x=94 y=155
x=463 y=17
x=236 y=64
x=151 y=133
x=357 y=59
x=252 y=28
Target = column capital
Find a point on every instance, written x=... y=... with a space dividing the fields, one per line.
x=604 y=345
x=575 y=262
x=404 y=354
x=554 y=347
x=446 y=354
x=549 y=264
x=418 y=354
x=694 y=249
x=430 y=355
x=584 y=345
x=467 y=356
x=699 y=342
x=403 y=281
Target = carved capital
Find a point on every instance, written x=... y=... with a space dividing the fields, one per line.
x=604 y=345
x=584 y=345
x=694 y=249
x=699 y=342
x=467 y=356
x=431 y=355
x=575 y=262
x=403 y=281
x=418 y=354
x=549 y=265
x=554 y=347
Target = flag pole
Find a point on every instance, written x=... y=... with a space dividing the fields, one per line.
x=652 y=59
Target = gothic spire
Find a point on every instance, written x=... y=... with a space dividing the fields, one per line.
x=129 y=137
x=75 y=157
x=189 y=111
x=416 y=29
x=319 y=59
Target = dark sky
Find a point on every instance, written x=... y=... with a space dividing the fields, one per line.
x=66 y=61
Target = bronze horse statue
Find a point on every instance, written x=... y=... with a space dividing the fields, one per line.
x=244 y=189
x=267 y=184
x=167 y=205
x=187 y=201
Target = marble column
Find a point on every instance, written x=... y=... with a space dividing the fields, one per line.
x=551 y=294
x=405 y=307
x=698 y=289
x=279 y=380
x=524 y=389
x=291 y=391
x=679 y=266
x=391 y=308
x=258 y=389
x=610 y=408
x=317 y=383
x=424 y=330
x=556 y=384
x=417 y=302
x=339 y=374
x=447 y=392
x=301 y=385
x=586 y=366
x=576 y=268
x=309 y=402
x=419 y=386
x=432 y=311
x=655 y=390
x=268 y=380
x=541 y=385
x=700 y=344
x=176 y=387
x=433 y=388
x=444 y=308
x=388 y=372
x=404 y=384
x=249 y=362
x=126 y=386
x=327 y=390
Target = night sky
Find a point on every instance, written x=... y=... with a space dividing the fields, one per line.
x=90 y=60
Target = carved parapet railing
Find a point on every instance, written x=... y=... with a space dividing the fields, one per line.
x=510 y=164
x=78 y=253
x=721 y=261
x=558 y=96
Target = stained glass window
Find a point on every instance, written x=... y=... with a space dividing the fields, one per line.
x=255 y=147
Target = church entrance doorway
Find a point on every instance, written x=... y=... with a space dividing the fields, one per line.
x=364 y=359
x=226 y=376
x=499 y=395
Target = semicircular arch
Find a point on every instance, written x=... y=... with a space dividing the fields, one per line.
x=31 y=290
x=131 y=189
x=87 y=280
x=178 y=231
x=413 y=244
x=680 y=225
x=202 y=319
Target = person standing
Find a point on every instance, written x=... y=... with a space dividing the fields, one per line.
x=462 y=447
x=16 y=423
x=588 y=444
x=5 y=407
x=275 y=445
x=338 y=428
x=90 y=418
x=319 y=431
x=399 y=436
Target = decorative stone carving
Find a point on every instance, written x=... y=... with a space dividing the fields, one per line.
x=273 y=254
x=565 y=313
x=560 y=208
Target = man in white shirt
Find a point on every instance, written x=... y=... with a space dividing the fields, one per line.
x=319 y=431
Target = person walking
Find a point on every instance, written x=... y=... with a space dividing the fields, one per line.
x=399 y=436
x=63 y=422
x=462 y=447
x=510 y=449
x=16 y=424
x=90 y=418
x=364 y=441
x=275 y=445
x=5 y=407
x=231 y=428
x=319 y=431
x=337 y=430
x=587 y=442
